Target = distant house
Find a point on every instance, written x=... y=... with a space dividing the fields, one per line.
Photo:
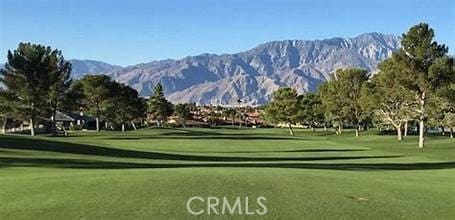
x=68 y=119
x=194 y=123
x=188 y=123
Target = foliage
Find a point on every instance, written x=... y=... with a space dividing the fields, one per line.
x=124 y=105
x=183 y=112
x=341 y=96
x=311 y=111
x=38 y=76
x=331 y=104
x=284 y=107
x=96 y=90
x=159 y=108
x=387 y=99
x=426 y=68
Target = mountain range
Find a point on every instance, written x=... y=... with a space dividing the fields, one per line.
x=82 y=67
x=251 y=75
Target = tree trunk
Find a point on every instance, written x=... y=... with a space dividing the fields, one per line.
x=5 y=122
x=421 y=121
x=340 y=128
x=451 y=132
x=357 y=130
x=53 y=122
x=399 y=135
x=123 y=127
x=97 y=118
x=406 y=128
x=32 y=127
x=133 y=125
x=32 y=120
x=325 y=127
x=290 y=129
x=97 y=124
x=421 y=133
x=313 y=128
x=443 y=131
x=233 y=119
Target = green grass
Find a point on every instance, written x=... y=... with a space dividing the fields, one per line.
x=151 y=173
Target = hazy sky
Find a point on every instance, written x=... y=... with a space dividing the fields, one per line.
x=133 y=31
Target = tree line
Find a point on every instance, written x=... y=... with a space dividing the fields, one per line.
x=416 y=85
x=37 y=83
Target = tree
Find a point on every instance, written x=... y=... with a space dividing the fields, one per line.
x=29 y=74
x=331 y=104
x=284 y=107
x=342 y=95
x=449 y=120
x=74 y=98
x=387 y=99
x=96 y=90
x=447 y=95
x=9 y=108
x=139 y=111
x=427 y=69
x=60 y=82
x=183 y=112
x=231 y=112
x=311 y=109
x=124 y=105
x=159 y=108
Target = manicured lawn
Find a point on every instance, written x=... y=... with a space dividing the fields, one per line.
x=151 y=173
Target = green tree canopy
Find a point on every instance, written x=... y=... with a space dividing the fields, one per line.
x=124 y=105
x=37 y=75
x=159 y=108
x=427 y=69
x=311 y=111
x=96 y=90
x=183 y=112
x=390 y=102
x=284 y=107
x=331 y=104
x=341 y=95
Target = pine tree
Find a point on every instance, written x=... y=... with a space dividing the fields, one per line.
x=60 y=82
x=28 y=75
x=96 y=90
x=124 y=105
x=159 y=108
x=10 y=108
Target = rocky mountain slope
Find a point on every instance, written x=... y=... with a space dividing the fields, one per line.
x=254 y=74
x=82 y=67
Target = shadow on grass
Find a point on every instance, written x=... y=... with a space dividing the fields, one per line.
x=20 y=143
x=205 y=137
x=290 y=151
x=184 y=133
x=93 y=164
